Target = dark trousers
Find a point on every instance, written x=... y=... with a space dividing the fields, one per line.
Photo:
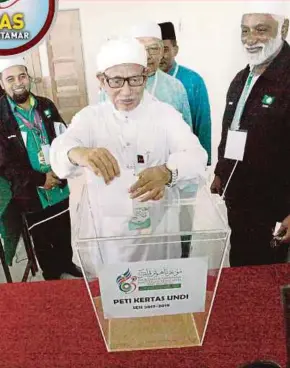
x=252 y=229
x=186 y=224
x=52 y=240
x=185 y=245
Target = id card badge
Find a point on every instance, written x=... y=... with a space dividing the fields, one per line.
x=141 y=216
x=235 y=145
x=45 y=150
x=41 y=158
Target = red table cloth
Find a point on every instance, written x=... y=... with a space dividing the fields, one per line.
x=52 y=325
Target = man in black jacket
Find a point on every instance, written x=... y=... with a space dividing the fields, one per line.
x=258 y=103
x=28 y=124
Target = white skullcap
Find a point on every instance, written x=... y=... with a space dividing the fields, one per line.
x=121 y=51
x=7 y=63
x=146 y=29
x=266 y=7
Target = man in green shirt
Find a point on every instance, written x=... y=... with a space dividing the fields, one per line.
x=28 y=126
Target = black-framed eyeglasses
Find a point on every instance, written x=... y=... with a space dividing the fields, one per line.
x=118 y=82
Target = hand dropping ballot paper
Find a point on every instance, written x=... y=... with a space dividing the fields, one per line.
x=113 y=199
x=115 y=214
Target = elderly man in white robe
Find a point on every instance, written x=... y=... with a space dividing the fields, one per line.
x=137 y=152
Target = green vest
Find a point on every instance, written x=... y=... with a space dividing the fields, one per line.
x=35 y=140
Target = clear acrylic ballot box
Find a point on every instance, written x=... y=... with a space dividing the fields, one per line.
x=145 y=292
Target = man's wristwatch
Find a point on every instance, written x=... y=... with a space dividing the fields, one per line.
x=174 y=175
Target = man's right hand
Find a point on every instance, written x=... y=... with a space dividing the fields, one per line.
x=99 y=160
x=51 y=181
x=283 y=234
x=216 y=186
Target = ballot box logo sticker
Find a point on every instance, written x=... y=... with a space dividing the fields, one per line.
x=149 y=279
x=24 y=23
x=126 y=282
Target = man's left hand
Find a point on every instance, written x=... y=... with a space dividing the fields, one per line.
x=151 y=183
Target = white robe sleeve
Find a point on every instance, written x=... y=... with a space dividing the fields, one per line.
x=77 y=135
x=185 y=151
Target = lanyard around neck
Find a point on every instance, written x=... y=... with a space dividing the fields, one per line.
x=35 y=125
x=242 y=102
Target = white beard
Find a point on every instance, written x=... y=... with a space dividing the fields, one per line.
x=268 y=49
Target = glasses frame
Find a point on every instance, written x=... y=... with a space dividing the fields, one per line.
x=108 y=79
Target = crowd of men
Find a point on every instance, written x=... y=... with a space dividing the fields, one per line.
x=149 y=136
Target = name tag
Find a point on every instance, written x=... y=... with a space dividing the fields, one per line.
x=235 y=146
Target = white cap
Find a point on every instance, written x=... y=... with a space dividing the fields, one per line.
x=121 y=51
x=266 y=7
x=146 y=29
x=7 y=63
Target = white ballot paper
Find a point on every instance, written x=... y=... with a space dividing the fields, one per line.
x=112 y=199
x=111 y=211
x=235 y=146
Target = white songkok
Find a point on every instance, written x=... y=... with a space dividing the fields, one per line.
x=146 y=29
x=7 y=63
x=277 y=8
x=121 y=51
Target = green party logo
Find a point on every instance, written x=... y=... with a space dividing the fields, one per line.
x=268 y=100
x=127 y=282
